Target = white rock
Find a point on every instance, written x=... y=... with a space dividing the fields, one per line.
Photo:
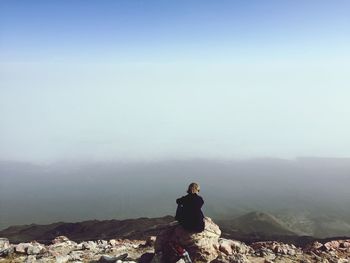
x=62 y=259
x=60 y=239
x=35 y=249
x=21 y=247
x=4 y=243
x=30 y=259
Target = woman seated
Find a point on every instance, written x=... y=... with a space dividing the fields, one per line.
x=189 y=213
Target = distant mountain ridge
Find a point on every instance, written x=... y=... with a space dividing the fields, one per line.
x=257 y=222
x=88 y=230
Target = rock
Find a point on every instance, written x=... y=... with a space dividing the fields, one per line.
x=263 y=252
x=4 y=243
x=314 y=246
x=21 y=248
x=64 y=242
x=7 y=252
x=229 y=247
x=345 y=244
x=225 y=247
x=76 y=255
x=150 y=241
x=90 y=245
x=35 y=248
x=102 y=243
x=275 y=247
x=202 y=247
x=107 y=258
x=30 y=259
x=113 y=242
x=60 y=239
x=332 y=245
x=6 y=248
x=236 y=258
x=62 y=259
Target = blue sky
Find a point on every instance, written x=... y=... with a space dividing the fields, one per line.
x=101 y=80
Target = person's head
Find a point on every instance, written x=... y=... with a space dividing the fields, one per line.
x=193 y=188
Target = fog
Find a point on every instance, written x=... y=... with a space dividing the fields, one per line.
x=104 y=190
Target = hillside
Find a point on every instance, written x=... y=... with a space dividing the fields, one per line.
x=251 y=227
x=257 y=223
x=206 y=246
x=87 y=230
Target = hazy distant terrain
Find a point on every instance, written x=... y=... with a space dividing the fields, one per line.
x=310 y=195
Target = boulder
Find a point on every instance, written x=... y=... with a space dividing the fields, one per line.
x=62 y=259
x=275 y=247
x=202 y=247
x=332 y=245
x=150 y=241
x=35 y=248
x=230 y=247
x=5 y=247
x=60 y=239
x=90 y=245
x=4 y=243
x=235 y=258
x=22 y=248
x=345 y=244
x=30 y=259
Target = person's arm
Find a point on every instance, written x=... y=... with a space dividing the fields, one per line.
x=179 y=201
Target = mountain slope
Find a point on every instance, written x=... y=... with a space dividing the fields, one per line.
x=88 y=230
x=257 y=223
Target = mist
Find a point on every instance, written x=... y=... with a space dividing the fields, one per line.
x=73 y=192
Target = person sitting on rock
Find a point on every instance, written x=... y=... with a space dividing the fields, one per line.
x=189 y=213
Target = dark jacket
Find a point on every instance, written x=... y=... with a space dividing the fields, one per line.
x=189 y=213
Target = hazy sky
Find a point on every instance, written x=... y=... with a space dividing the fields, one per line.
x=102 y=80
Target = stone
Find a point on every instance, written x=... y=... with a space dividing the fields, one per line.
x=263 y=252
x=62 y=259
x=108 y=258
x=113 y=242
x=235 y=258
x=102 y=243
x=345 y=244
x=21 y=248
x=150 y=241
x=76 y=255
x=332 y=245
x=90 y=245
x=314 y=246
x=225 y=247
x=229 y=247
x=60 y=239
x=4 y=243
x=202 y=247
x=35 y=248
x=6 y=248
x=30 y=259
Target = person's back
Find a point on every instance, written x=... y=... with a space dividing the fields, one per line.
x=189 y=213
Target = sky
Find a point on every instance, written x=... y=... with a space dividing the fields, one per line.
x=144 y=80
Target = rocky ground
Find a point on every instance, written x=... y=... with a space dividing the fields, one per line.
x=203 y=247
